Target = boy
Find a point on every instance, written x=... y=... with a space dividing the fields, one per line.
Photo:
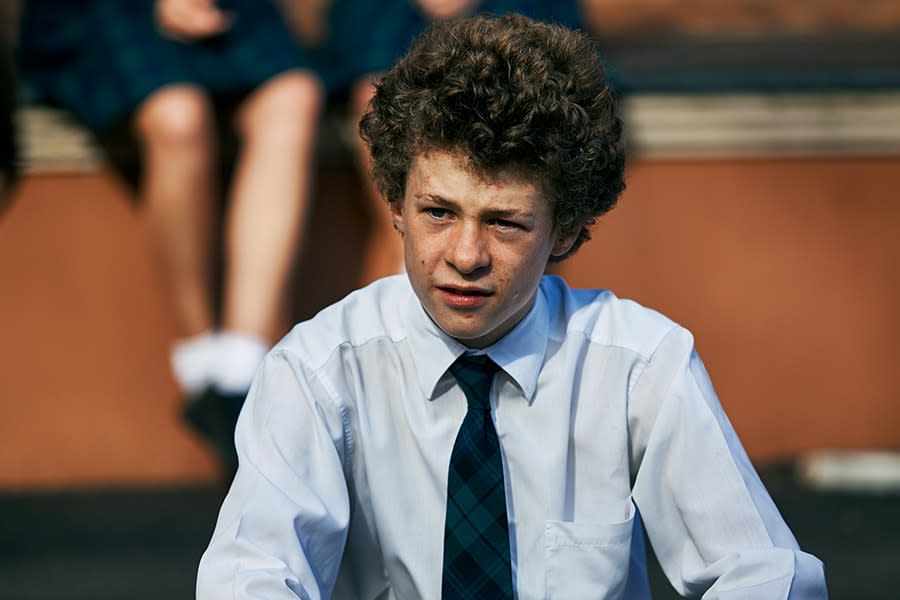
x=475 y=429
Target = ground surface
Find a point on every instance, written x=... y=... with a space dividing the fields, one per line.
x=145 y=543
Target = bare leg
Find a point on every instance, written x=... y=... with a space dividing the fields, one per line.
x=175 y=127
x=385 y=249
x=269 y=201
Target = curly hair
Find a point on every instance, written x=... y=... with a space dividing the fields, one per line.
x=509 y=93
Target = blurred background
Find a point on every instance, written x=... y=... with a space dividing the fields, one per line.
x=761 y=212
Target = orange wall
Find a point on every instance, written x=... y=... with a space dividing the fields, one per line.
x=788 y=272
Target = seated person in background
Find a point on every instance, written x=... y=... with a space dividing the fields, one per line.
x=168 y=71
x=365 y=39
x=8 y=166
x=474 y=428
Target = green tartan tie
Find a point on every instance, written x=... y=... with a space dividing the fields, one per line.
x=476 y=534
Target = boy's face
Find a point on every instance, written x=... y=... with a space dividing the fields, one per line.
x=475 y=247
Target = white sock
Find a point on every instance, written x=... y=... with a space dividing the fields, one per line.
x=191 y=359
x=237 y=356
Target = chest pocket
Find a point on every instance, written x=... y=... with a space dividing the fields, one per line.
x=586 y=560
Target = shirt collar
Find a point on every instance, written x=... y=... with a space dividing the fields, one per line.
x=520 y=353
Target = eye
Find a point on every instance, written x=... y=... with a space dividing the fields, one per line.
x=506 y=225
x=437 y=213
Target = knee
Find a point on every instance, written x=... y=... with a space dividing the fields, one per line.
x=361 y=93
x=286 y=108
x=176 y=117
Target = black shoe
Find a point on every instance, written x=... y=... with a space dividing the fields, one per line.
x=198 y=414
x=214 y=415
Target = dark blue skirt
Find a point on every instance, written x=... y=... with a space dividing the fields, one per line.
x=99 y=59
x=369 y=36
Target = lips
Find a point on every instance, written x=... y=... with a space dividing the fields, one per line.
x=464 y=297
x=465 y=291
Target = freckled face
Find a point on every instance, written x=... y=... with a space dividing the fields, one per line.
x=475 y=246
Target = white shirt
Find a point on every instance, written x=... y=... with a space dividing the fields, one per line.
x=602 y=407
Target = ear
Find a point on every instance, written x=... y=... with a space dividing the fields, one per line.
x=397 y=216
x=564 y=241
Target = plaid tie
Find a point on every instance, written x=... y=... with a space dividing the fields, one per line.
x=476 y=534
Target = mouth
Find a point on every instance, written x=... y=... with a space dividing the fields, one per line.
x=464 y=297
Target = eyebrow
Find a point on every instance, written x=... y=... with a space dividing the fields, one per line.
x=437 y=199
x=499 y=213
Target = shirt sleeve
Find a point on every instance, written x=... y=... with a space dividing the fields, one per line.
x=283 y=526
x=713 y=526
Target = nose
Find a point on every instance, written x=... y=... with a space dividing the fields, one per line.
x=468 y=251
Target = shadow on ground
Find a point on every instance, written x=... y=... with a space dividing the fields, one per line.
x=142 y=544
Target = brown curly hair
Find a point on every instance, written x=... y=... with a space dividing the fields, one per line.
x=509 y=93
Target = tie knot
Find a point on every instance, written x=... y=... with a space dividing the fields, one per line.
x=475 y=373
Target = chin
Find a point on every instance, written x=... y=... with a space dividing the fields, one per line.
x=463 y=334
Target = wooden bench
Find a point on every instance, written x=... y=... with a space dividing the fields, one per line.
x=659 y=125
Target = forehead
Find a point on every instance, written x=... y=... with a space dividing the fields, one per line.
x=451 y=176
